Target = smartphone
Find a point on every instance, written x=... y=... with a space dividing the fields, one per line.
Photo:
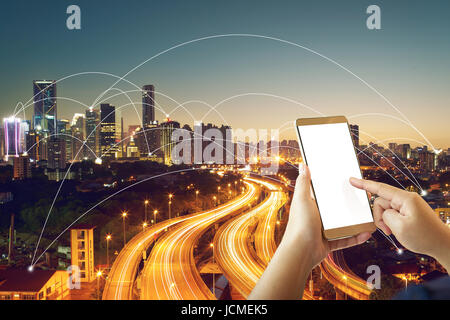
x=327 y=149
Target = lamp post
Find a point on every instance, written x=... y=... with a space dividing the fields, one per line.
x=215 y=200
x=146 y=202
x=108 y=239
x=170 y=205
x=144 y=225
x=211 y=245
x=124 y=215
x=196 y=196
x=99 y=275
x=155 y=212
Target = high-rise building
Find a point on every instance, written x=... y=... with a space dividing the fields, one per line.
x=92 y=133
x=82 y=251
x=45 y=106
x=31 y=144
x=13 y=136
x=354 y=131
x=167 y=144
x=426 y=159
x=78 y=133
x=25 y=127
x=56 y=153
x=2 y=141
x=21 y=167
x=108 y=131
x=148 y=139
x=148 y=105
x=405 y=151
x=132 y=149
x=66 y=133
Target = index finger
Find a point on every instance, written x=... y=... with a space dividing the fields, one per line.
x=381 y=189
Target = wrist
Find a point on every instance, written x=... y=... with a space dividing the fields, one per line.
x=295 y=246
x=442 y=248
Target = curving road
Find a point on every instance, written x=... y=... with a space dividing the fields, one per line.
x=120 y=281
x=170 y=272
x=242 y=264
x=336 y=271
x=234 y=253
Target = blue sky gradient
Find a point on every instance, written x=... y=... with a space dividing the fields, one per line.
x=407 y=60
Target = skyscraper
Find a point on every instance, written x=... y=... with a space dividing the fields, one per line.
x=108 y=131
x=21 y=167
x=13 y=136
x=56 y=153
x=92 y=132
x=66 y=134
x=148 y=105
x=167 y=144
x=44 y=106
x=78 y=133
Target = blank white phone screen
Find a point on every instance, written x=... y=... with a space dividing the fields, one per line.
x=330 y=155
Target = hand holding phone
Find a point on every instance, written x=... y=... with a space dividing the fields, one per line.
x=304 y=229
x=327 y=148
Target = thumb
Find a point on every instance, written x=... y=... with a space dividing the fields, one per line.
x=393 y=220
x=303 y=183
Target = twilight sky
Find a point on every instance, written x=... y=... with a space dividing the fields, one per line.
x=407 y=61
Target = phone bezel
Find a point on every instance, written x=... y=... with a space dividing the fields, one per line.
x=342 y=232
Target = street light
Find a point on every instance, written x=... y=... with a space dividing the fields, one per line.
x=196 y=196
x=170 y=205
x=215 y=200
x=124 y=215
x=108 y=239
x=144 y=225
x=155 y=212
x=146 y=202
x=99 y=275
x=211 y=245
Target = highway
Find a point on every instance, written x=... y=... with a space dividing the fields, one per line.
x=120 y=280
x=170 y=272
x=241 y=263
x=265 y=244
x=336 y=271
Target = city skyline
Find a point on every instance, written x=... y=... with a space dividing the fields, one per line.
x=149 y=150
x=219 y=68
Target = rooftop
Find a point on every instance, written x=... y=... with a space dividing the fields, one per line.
x=83 y=226
x=23 y=280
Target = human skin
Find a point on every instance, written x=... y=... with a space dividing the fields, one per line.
x=412 y=221
x=301 y=249
x=404 y=214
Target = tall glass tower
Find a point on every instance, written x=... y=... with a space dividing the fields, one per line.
x=44 y=119
x=92 y=132
x=148 y=105
x=108 y=145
